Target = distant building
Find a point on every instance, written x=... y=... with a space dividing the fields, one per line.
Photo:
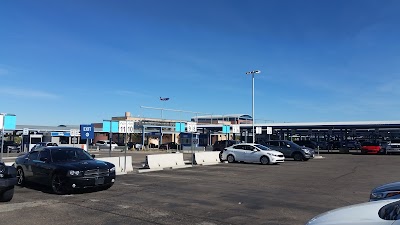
x=223 y=119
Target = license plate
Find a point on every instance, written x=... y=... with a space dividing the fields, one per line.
x=99 y=181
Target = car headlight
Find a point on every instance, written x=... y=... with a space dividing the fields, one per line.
x=74 y=173
x=112 y=169
x=306 y=150
x=2 y=168
x=377 y=195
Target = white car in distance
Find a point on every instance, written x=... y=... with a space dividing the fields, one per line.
x=252 y=153
x=106 y=144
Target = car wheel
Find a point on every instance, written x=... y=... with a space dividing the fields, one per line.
x=20 y=176
x=264 y=160
x=58 y=184
x=7 y=195
x=220 y=156
x=298 y=157
x=231 y=159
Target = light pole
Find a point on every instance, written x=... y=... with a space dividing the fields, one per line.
x=252 y=98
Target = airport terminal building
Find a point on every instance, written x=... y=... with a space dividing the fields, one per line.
x=155 y=131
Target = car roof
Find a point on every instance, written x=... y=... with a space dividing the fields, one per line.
x=246 y=144
x=56 y=147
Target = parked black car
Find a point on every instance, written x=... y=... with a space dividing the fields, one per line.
x=170 y=145
x=334 y=145
x=10 y=146
x=351 y=144
x=220 y=145
x=8 y=178
x=64 y=169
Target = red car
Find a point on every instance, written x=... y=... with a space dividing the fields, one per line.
x=371 y=148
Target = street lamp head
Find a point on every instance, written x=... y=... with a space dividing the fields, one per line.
x=253 y=72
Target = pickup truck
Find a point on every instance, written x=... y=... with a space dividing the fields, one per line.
x=8 y=179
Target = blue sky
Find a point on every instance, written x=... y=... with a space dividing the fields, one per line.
x=72 y=62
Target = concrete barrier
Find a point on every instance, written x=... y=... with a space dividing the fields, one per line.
x=129 y=167
x=164 y=161
x=116 y=161
x=207 y=158
x=189 y=148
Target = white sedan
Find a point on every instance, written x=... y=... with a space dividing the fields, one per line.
x=385 y=212
x=247 y=152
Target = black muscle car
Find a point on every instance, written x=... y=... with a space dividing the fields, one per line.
x=64 y=169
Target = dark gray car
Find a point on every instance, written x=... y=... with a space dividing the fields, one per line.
x=220 y=145
x=386 y=191
x=290 y=149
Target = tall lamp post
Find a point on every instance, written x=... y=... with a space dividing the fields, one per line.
x=252 y=98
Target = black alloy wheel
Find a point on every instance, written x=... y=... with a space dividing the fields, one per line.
x=220 y=156
x=298 y=156
x=20 y=176
x=58 y=184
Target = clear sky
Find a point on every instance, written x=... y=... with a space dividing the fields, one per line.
x=72 y=62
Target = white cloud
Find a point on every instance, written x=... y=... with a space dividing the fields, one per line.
x=26 y=93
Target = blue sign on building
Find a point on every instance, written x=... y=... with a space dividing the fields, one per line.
x=110 y=126
x=180 y=127
x=87 y=131
x=10 y=122
x=226 y=129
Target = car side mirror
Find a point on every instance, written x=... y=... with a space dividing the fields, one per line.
x=93 y=156
x=43 y=159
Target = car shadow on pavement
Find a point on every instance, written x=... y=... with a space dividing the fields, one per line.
x=48 y=190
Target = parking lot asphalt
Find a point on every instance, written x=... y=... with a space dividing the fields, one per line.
x=238 y=193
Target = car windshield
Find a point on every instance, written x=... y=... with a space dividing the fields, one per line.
x=262 y=147
x=69 y=154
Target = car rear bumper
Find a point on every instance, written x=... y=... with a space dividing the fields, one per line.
x=87 y=182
